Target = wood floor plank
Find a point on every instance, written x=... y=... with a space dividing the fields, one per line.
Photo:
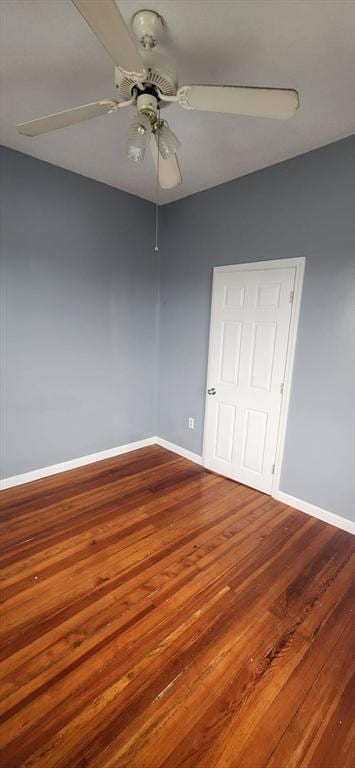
x=157 y=615
x=324 y=673
x=335 y=744
x=202 y=584
x=101 y=576
x=155 y=582
x=246 y=612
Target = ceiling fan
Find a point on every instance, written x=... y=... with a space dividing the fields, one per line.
x=147 y=81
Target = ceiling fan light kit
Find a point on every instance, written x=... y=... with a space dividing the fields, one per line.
x=147 y=81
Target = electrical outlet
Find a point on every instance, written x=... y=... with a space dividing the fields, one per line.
x=191 y=422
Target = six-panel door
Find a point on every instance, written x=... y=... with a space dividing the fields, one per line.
x=250 y=322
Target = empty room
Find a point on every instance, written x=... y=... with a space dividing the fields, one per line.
x=177 y=520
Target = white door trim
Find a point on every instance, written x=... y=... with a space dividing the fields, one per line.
x=299 y=264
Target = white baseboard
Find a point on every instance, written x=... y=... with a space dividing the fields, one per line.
x=180 y=451
x=291 y=501
x=311 y=509
x=81 y=461
x=285 y=498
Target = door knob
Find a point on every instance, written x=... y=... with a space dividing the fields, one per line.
x=211 y=391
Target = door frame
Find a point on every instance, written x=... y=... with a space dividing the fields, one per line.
x=298 y=263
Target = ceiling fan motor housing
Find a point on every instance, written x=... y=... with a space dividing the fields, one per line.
x=160 y=74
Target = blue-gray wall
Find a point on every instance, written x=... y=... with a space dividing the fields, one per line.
x=302 y=207
x=79 y=301
x=79 y=295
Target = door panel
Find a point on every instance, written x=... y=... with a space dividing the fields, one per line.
x=234 y=296
x=250 y=321
x=254 y=440
x=268 y=296
x=262 y=355
x=230 y=352
x=224 y=431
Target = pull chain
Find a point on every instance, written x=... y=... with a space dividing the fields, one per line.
x=156 y=247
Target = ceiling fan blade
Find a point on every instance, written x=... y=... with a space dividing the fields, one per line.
x=108 y=25
x=278 y=103
x=169 y=171
x=68 y=117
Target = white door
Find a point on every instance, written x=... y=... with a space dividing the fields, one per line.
x=250 y=322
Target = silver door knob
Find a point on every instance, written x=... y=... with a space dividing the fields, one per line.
x=211 y=391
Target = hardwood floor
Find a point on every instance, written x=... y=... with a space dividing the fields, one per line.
x=157 y=615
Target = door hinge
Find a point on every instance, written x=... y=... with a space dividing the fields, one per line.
x=292 y=293
x=281 y=388
x=273 y=469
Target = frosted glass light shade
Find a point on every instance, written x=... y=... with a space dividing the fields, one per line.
x=167 y=142
x=138 y=137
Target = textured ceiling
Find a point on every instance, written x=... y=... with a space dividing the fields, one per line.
x=51 y=61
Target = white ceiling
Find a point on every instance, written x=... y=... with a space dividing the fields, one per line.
x=51 y=61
